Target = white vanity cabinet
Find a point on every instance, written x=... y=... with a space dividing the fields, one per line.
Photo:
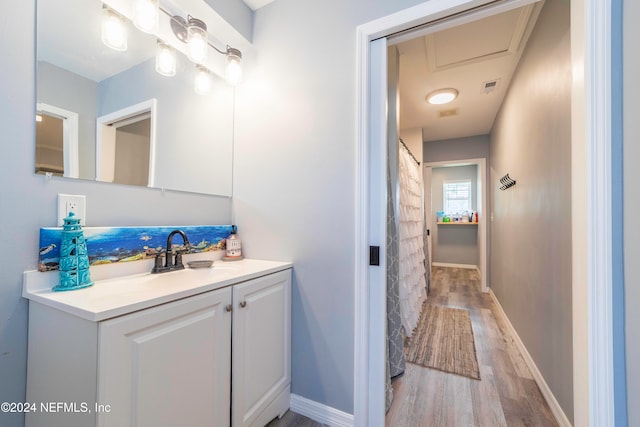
x=215 y=358
x=261 y=356
x=168 y=365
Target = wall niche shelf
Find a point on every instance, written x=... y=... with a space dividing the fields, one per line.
x=457 y=223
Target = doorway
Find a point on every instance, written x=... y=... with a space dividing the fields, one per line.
x=56 y=141
x=125 y=145
x=478 y=228
x=590 y=36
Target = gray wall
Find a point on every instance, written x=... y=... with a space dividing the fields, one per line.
x=294 y=175
x=631 y=149
x=454 y=244
x=471 y=147
x=54 y=85
x=531 y=227
x=132 y=154
x=29 y=201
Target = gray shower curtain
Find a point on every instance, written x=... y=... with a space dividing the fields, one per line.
x=395 y=352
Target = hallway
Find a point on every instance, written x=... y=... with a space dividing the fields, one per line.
x=506 y=395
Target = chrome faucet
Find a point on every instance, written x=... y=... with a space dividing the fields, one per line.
x=171 y=263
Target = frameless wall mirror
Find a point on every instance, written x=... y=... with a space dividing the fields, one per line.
x=56 y=141
x=87 y=125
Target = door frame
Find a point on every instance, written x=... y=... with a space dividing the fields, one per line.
x=106 y=137
x=70 y=132
x=482 y=206
x=591 y=206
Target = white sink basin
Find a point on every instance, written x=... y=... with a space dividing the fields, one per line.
x=121 y=295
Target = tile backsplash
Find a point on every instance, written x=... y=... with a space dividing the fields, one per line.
x=108 y=245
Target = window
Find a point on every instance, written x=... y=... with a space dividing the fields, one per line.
x=457 y=196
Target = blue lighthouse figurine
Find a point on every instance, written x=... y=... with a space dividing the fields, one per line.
x=74 y=262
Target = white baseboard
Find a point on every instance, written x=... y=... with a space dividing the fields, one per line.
x=319 y=412
x=446 y=264
x=557 y=411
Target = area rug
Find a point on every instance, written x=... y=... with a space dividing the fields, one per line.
x=443 y=340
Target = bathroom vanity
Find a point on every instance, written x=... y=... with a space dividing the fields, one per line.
x=196 y=347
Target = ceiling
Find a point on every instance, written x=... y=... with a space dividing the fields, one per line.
x=257 y=4
x=69 y=37
x=470 y=58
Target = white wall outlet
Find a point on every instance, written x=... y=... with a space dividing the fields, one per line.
x=72 y=203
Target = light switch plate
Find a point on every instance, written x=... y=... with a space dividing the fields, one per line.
x=72 y=203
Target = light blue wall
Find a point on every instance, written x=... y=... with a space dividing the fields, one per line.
x=53 y=89
x=236 y=13
x=28 y=202
x=627 y=77
x=295 y=175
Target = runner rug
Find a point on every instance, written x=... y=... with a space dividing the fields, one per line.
x=443 y=340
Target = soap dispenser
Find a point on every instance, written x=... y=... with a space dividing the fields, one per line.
x=234 y=245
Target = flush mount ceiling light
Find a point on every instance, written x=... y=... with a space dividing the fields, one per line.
x=442 y=96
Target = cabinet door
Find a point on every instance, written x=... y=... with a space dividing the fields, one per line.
x=261 y=360
x=168 y=365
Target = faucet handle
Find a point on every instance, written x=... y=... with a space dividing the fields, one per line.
x=157 y=267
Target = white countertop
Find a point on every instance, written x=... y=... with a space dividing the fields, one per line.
x=116 y=296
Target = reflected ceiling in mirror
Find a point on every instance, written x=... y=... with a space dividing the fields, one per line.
x=78 y=75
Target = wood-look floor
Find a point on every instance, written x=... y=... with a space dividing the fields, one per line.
x=291 y=419
x=506 y=394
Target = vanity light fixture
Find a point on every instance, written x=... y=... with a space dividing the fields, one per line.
x=202 y=81
x=197 y=43
x=114 y=30
x=442 y=96
x=194 y=32
x=145 y=15
x=165 y=59
x=191 y=31
x=234 y=66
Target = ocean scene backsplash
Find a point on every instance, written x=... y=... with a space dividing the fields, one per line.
x=108 y=245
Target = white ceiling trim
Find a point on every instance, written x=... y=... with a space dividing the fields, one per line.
x=513 y=47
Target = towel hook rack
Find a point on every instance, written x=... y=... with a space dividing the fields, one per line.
x=507 y=182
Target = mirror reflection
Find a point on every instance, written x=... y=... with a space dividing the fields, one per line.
x=107 y=115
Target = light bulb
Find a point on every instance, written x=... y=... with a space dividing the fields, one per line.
x=114 y=31
x=165 y=60
x=234 y=66
x=145 y=15
x=202 y=82
x=197 y=44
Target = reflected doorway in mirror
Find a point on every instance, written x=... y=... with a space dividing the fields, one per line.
x=56 y=141
x=125 y=145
